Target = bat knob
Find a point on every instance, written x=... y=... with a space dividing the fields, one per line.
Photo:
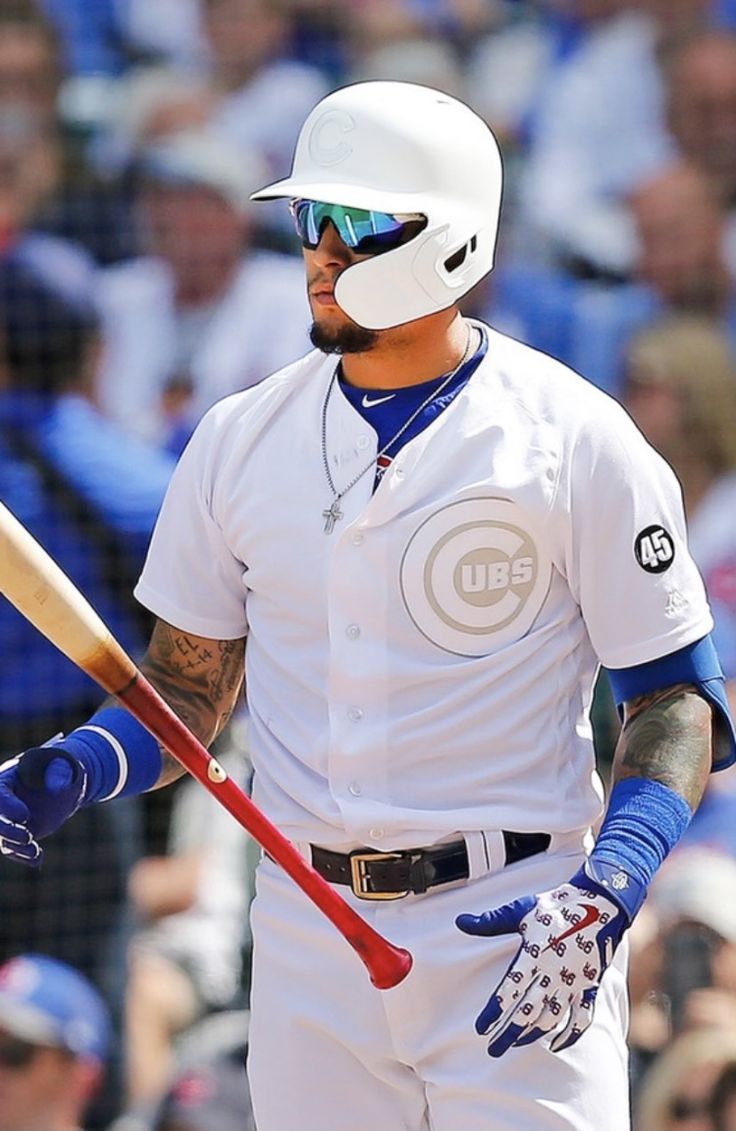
x=390 y=967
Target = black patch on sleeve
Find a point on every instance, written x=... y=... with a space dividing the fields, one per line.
x=654 y=549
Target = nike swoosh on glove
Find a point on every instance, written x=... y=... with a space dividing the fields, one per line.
x=568 y=938
x=39 y=790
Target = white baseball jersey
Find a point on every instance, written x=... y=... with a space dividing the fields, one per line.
x=427 y=668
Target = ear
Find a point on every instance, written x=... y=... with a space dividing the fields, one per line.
x=90 y=1075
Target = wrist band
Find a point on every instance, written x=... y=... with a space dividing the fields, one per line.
x=644 y=822
x=120 y=756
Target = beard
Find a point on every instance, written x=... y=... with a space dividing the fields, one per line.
x=348 y=338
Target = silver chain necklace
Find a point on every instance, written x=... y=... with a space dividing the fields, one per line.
x=333 y=513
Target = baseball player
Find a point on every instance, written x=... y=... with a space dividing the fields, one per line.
x=421 y=541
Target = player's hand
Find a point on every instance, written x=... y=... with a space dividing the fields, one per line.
x=39 y=791
x=568 y=938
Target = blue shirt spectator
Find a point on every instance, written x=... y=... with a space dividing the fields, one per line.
x=90 y=33
x=588 y=322
x=123 y=480
x=90 y=494
x=62 y=461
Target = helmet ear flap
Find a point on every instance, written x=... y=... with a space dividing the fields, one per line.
x=462 y=266
x=455 y=261
x=454 y=269
x=414 y=280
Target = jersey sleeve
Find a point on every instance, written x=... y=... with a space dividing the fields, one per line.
x=628 y=562
x=191 y=579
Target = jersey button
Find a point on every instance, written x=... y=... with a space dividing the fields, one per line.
x=358 y=538
x=363 y=441
x=355 y=714
x=376 y=834
x=352 y=631
x=355 y=788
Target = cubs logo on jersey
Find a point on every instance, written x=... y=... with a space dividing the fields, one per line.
x=473 y=577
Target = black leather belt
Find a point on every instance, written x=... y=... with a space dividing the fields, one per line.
x=392 y=875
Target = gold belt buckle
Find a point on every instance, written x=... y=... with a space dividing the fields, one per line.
x=359 y=876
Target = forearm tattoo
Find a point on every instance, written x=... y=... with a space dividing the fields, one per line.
x=200 y=679
x=668 y=737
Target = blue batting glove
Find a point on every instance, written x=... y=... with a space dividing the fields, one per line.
x=568 y=939
x=39 y=790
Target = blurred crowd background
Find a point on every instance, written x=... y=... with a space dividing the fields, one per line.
x=138 y=285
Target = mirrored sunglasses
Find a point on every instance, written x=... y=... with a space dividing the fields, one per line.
x=362 y=229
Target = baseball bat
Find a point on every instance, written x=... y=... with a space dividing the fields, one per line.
x=46 y=597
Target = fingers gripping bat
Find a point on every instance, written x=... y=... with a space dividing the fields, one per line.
x=46 y=597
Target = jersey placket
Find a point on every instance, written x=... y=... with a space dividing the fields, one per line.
x=357 y=614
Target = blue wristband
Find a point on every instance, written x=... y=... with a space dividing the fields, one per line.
x=644 y=822
x=120 y=756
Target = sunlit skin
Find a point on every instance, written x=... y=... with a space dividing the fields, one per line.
x=243 y=35
x=401 y=356
x=702 y=105
x=680 y=226
x=50 y=1093
x=198 y=233
x=28 y=70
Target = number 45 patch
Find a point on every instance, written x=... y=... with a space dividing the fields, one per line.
x=654 y=549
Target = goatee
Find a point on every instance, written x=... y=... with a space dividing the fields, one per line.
x=349 y=338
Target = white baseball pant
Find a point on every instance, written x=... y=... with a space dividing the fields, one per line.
x=329 y=1052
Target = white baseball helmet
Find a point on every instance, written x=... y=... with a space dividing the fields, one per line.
x=401 y=148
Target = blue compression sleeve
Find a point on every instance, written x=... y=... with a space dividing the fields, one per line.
x=120 y=756
x=644 y=822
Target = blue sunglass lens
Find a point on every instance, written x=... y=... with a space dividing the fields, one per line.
x=361 y=229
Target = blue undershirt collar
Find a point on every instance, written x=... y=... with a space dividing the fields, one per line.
x=387 y=409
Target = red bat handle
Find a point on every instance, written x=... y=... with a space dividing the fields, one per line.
x=387 y=964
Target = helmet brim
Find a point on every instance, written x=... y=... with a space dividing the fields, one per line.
x=353 y=196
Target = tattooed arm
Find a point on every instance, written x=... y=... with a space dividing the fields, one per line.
x=113 y=755
x=661 y=765
x=668 y=737
x=200 y=679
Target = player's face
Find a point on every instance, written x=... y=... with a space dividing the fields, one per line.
x=332 y=330
x=334 y=238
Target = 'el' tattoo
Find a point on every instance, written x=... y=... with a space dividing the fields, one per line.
x=200 y=679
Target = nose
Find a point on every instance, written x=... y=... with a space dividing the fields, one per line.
x=331 y=250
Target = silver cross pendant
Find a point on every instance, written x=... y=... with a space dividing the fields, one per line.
x=332 y=515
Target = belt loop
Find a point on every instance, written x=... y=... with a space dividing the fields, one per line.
x=496 y=849
x=486 y=852
x=477 y=855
